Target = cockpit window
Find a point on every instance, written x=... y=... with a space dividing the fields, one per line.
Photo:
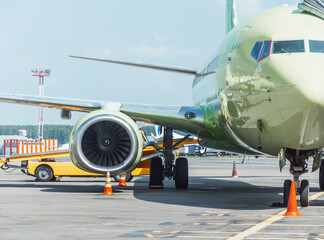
x=256 y=50
x=316 y=46
x=293 y=46
x=261 y=50
x=265 y=50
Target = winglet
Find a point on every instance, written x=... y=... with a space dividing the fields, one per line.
x=231 y=15
x=191 y=71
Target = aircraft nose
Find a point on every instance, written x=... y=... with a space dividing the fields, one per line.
x=305 y=72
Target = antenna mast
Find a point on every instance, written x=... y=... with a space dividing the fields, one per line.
x=41 y=74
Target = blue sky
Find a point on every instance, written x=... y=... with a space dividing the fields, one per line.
x=41 y=34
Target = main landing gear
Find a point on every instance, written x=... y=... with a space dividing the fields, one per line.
x=298 y=166
x=168 y=167
x=321 y=175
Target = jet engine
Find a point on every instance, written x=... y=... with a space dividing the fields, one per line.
x=106 y=140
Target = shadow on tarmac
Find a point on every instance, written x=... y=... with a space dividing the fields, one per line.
x=206 y=192
x=218 y=193
x=61 y=188
x=213 y=193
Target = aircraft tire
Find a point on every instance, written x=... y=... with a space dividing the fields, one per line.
x=286 y=192
x=128 y=177
x=304 y=193
x=156 y=173
x=44 y=173
x=321 y=175
x=181 y=173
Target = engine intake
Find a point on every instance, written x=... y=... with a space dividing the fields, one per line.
x=106 y=140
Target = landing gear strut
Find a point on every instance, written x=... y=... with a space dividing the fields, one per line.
x=298 y=166
x=321 y=175
x=176 y=170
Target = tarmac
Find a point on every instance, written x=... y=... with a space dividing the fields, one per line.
x=215 y=206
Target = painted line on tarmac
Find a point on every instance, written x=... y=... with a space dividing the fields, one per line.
x=316 y=195
x=274 y=224
x=224 y=223
x=297 y=225
x=159 y=236
x=258 y=238
x=256 y=228
x=214 y=237
x=266 y=233
x=208 y=232
x=267 y=222
x=269 y=215
x=200 y=237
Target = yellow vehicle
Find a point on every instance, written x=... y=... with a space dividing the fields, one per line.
x=50 y=170
x=46 y=169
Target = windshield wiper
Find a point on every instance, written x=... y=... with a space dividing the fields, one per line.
x=283 y=50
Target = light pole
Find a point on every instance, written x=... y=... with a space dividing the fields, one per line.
x=41 y=74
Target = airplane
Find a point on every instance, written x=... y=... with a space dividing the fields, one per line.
x=260 y=92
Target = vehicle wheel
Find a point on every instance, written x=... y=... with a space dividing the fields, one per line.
x=44 y=173
x=181 y=173
x=128 y=177
x=286 y=192
x=304 y=193
x=202 y=151
x=156 y=173
x=321 y=175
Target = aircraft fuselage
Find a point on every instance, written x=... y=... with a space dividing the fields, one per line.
x=271 y=100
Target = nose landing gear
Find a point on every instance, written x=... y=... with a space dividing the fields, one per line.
x=298 y=166
x=302 y=190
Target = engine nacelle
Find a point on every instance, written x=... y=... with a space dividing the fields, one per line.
x=106 y=140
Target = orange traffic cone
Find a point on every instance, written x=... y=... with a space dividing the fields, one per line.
x=108 y=188
x=122 y=181
x=292 y=209
x=234 y=173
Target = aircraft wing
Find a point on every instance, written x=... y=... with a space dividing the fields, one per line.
x=186 y=118
x=192 y=71
x=51 y=102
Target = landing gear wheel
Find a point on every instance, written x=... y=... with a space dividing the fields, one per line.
x=44 y=173
x=286 y=192
x=321 y=175
x=156 y=173
x=181 y=173
x=304 y=193
x=128 y=177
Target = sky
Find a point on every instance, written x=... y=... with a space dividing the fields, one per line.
x=38 y=34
